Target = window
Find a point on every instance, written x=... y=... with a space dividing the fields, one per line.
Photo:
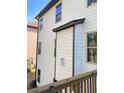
x=58 y=13
x=39 y=48
x=40 y=24
x=92 y=47
x=38 y=77
x=90 y=2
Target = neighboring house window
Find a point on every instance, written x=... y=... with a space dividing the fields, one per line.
x=41 y=24
x=39 y=48
x=58 y=13
x=90 y=2
x=92 y=47
x=38 y=76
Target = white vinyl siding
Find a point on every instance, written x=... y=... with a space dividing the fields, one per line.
x=65 y=51
x=46 y=60
x=76 y=9
x=71 y=10
x=81 y=64
x=79 y=46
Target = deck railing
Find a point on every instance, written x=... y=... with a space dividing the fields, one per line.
x=84 y=83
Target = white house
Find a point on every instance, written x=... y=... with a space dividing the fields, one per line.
x=67 y=40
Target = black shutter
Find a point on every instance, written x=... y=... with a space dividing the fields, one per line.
x=38 y=77
x=89 y=2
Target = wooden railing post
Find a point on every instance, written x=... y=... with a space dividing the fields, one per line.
x=84 y=83
x=78 y=87
x=81 y=86
x=74 y=88
x=70 y=89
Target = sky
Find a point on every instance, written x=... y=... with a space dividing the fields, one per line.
x=34 y=7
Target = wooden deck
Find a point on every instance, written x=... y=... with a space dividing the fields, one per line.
x=84 y=83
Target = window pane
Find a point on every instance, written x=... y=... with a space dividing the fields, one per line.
x=92 y=55
x=92 y=39
x=58 y=17
x=41 y=24
x=89 y=2
x=58 y=9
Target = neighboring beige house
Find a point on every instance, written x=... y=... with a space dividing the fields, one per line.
x=67 y=40
x=31 y=43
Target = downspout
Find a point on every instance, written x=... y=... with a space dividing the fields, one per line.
x=73 y=54
x=54 y=80
x=37 y=52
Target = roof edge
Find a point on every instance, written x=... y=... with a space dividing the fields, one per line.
x=69 y=24
x=48 y=6
x=32 y=26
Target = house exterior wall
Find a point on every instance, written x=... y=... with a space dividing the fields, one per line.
x=71 y=10
x=74 y=9
x=46 y=60
x=31 y=43
x=65 y=51
x=77 y=9
x=79 y=47
x=80 y=64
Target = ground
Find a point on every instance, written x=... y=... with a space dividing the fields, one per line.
x=30 y=78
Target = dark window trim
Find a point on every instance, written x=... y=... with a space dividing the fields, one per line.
x=91 y=62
